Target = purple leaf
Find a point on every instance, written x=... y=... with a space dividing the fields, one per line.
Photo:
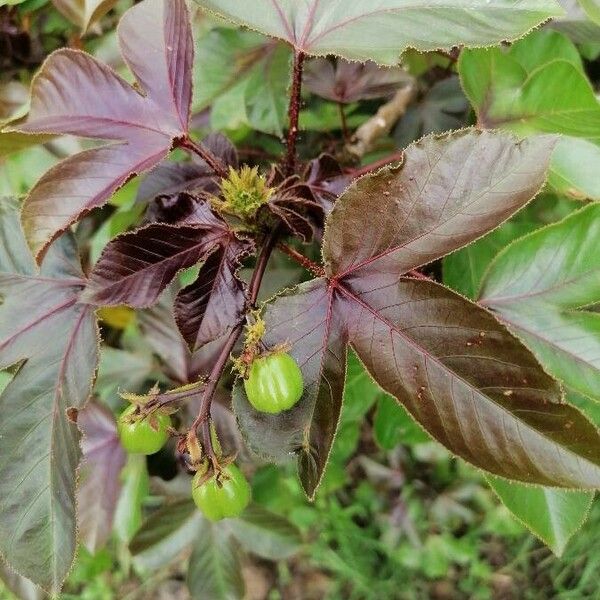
x=459 y=372
x=215 y=302
x=347 y=82
x=326 y=180
x=471 y=385
x=75 y=94
x=53 y=338
x=136 y=267
x=99 y=475
x=448 y=191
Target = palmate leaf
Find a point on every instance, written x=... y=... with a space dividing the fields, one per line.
x=458 y=371
x=540 y=287
x=75 y=94
x=53 y=339
x=380 y=30
x=215 y=302
x=348 y=82
x=136 y=267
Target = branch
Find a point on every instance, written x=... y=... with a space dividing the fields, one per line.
x=206 y=155
x=219 y=366
x=294 y=113
x=382 y=122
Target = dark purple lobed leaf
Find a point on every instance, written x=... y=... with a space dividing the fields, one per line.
x=448 y=191
x=76 y=94
x=215 y=302
x=53 y=338
x=99 y=475
x=470 y=383
x=136 y=267
x=326 y=181
x=460 y=373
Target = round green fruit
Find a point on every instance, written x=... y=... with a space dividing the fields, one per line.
x=222 y=499
x=140 y=437
x=274 y=383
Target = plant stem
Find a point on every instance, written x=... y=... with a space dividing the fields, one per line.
x=309 y=265
x=219 y=366
x=345 y=131
x=206 y=155
x=294 y=113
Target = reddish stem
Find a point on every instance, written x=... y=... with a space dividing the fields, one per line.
x=206 y=155
x=294 y=113
x=309 y=265
x=344 y=122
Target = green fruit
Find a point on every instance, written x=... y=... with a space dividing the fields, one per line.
x=222 y=499
x=275 y=383
x=140 y=437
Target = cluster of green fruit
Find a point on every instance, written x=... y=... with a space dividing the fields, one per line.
x=274 y=384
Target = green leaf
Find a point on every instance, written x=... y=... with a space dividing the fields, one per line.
x=552 y=515
x=592 y=9
x=464 y=269
x=245 y=77
x=574 y=169
x=540 y=285
x=538 y=85
x=394 y=426
x=556 y=97
x=265 y=533
x=165 y=535
x=214 y=570
x=360 y=392
x=381 y=30
x=53 y=340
